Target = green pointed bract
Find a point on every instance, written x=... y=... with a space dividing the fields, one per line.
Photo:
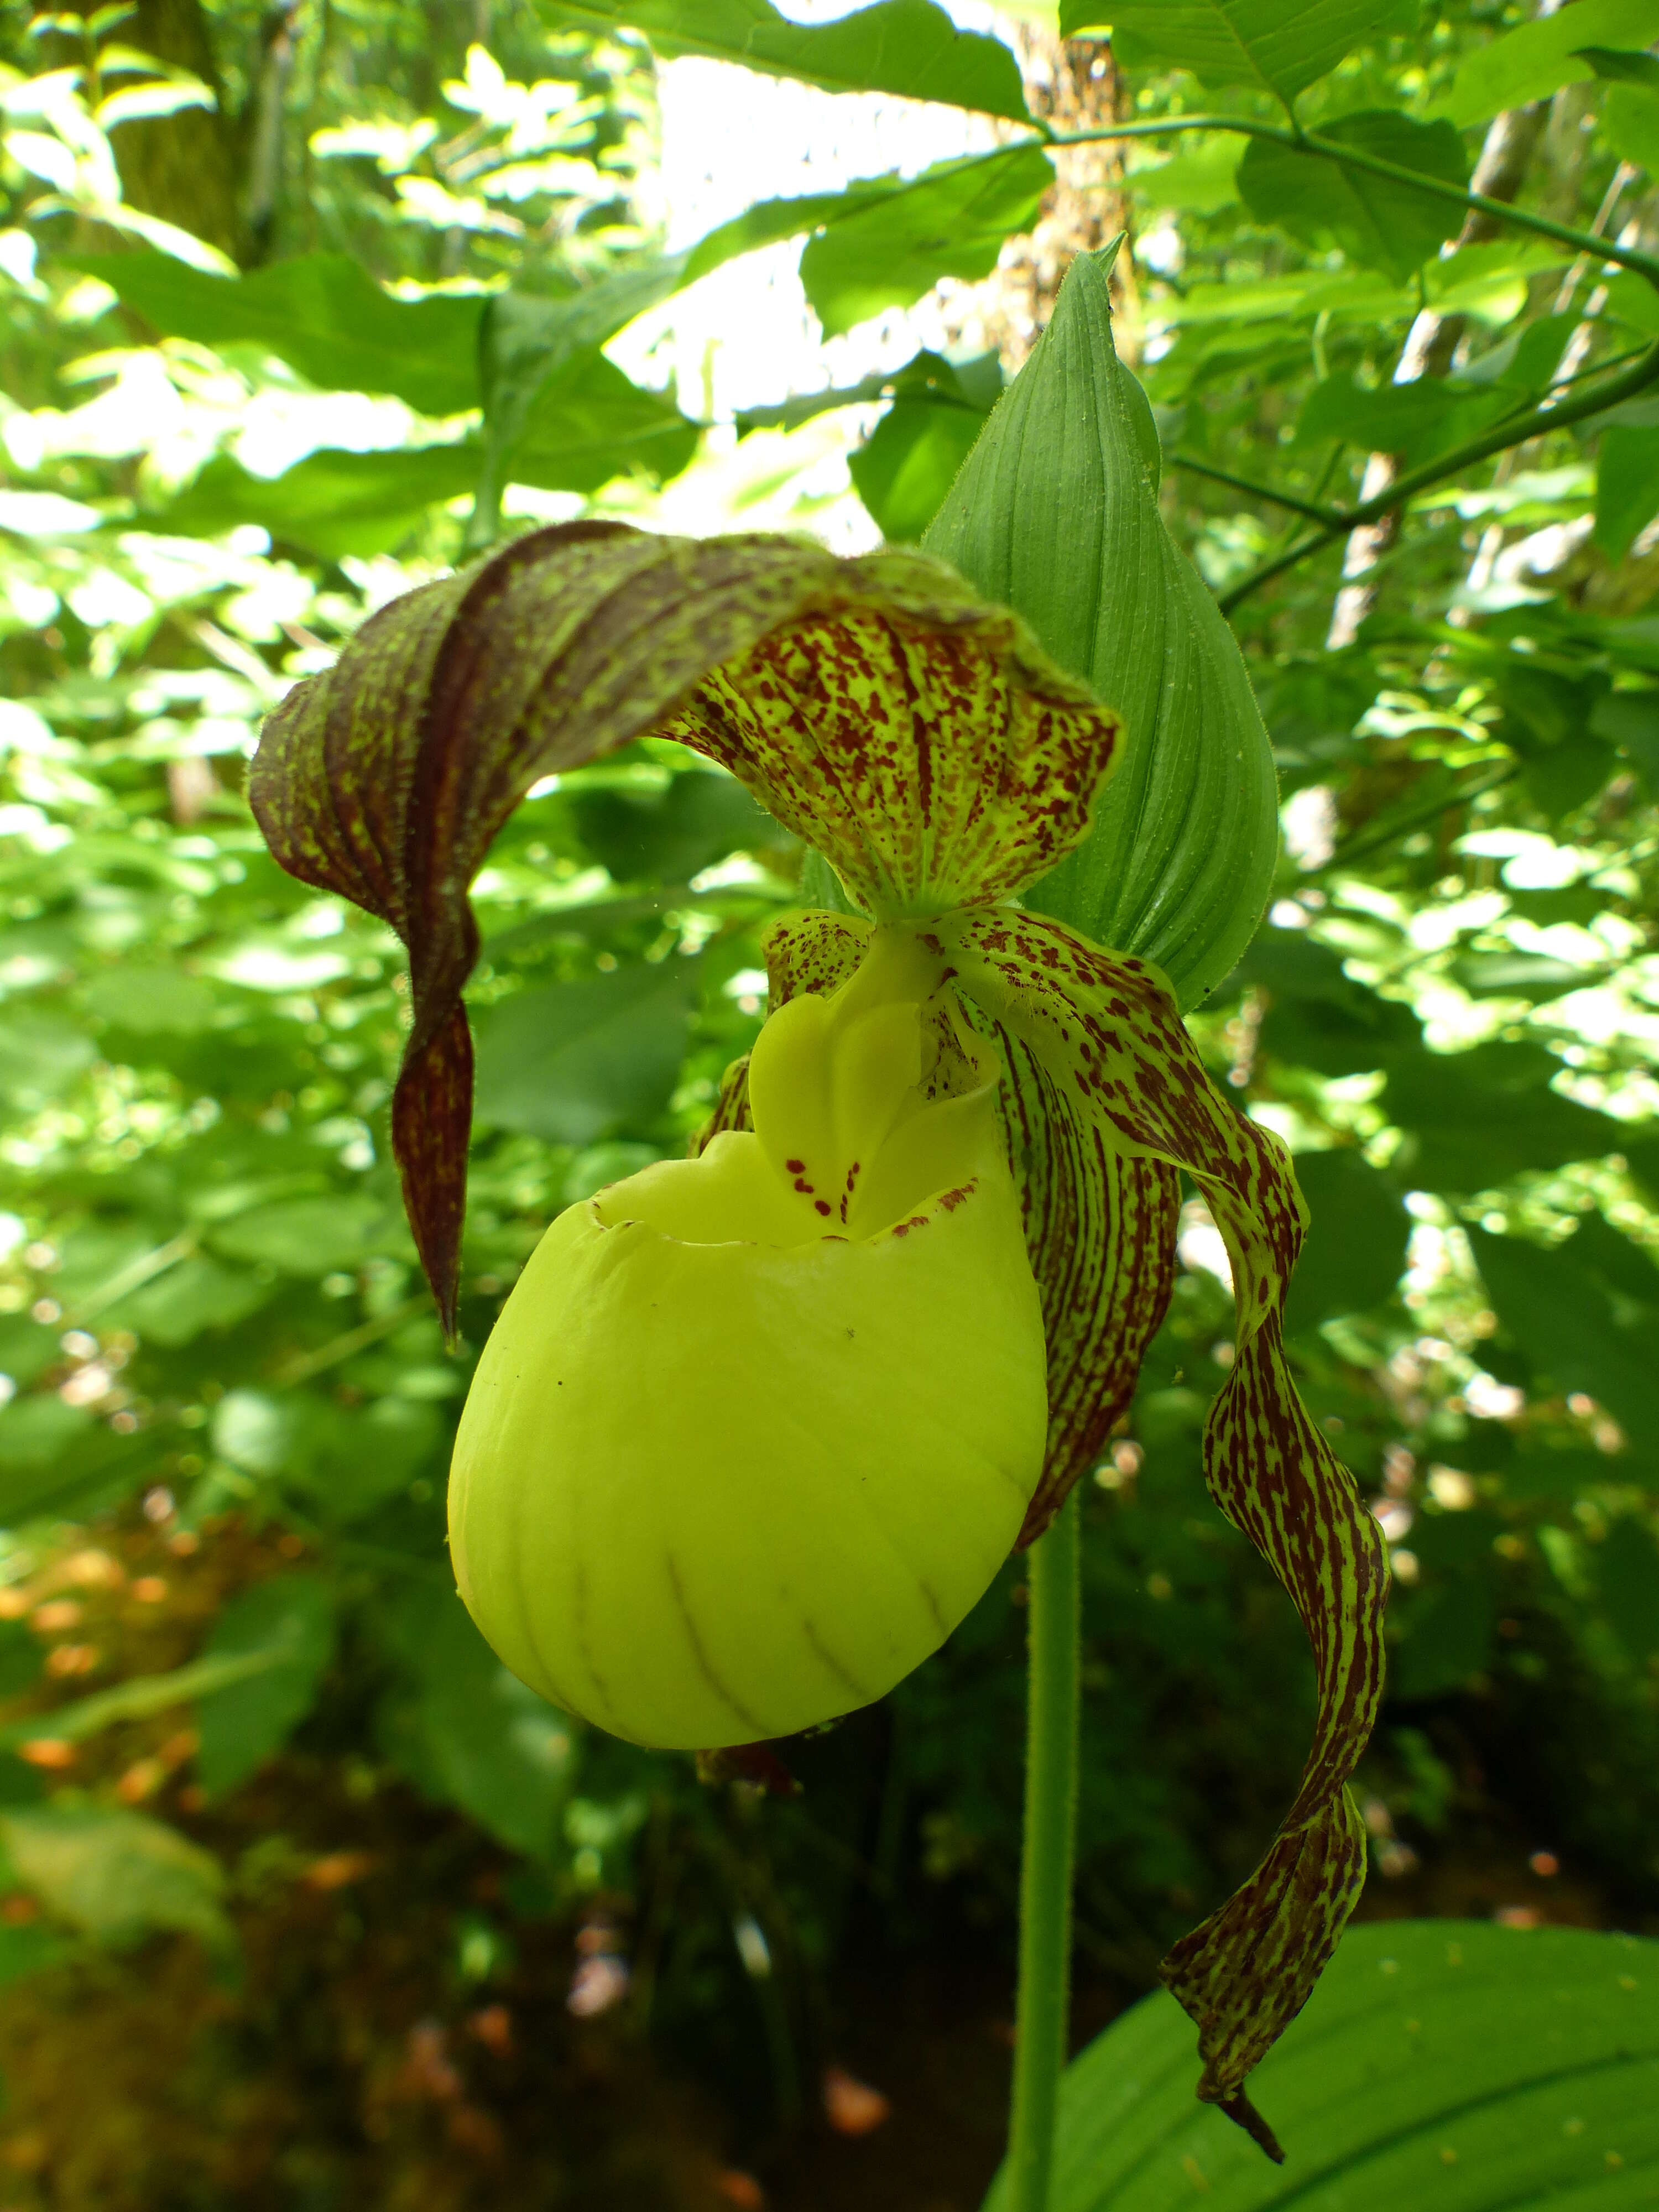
x=1055 y=514
x=917 y=735
x=1110 y=1037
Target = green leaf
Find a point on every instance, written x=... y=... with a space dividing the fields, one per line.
x=1627 y=486
x=117 y=1876
x=1621 y=66
x=1178 y=863
x=668 y=836
x=951 y=221
x=575 y=1063
x=1355 y=1254
x=906 y=467
x=41 y=1055
x=151 y=1001
x=1627 y=1576
x=331 y=503
x=906 y=46
x=139 y=1697
x=308 y=1236
x=1560 y=1315
x=289 y=1622
x=1201 y=178
x=1377 y=223
x=1451 y=2066
x=470 y=1734
x=1278 y=46
x=1445 y=1633
x=1630 y=124
x=188 y=1299
x=1476 y=1118
x=323 y=313
x=1540 y=57
x=1317 y=1016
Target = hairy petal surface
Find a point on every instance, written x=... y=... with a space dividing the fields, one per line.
x=385 y=778
x=1109 y=1036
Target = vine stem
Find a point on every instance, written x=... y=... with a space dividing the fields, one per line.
x=1042 y=2009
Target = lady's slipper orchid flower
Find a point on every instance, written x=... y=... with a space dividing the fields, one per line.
x=755 y=1429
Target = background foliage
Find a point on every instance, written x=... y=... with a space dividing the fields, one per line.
x=297 y=304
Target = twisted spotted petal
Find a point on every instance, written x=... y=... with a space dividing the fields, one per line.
x=914 y=734
x=1109 y=1038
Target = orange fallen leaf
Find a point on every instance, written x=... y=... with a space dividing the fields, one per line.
x=851 y=2106
x=740 y=2189
x=48 y=1751
x=337 y=1869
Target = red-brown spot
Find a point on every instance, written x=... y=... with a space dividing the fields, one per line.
x=802 y=1185
x=821 y=1205
x=795 y=1167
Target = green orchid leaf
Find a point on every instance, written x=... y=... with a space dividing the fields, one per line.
x=1537 y=59
x=909 y=47
x=1277 y=47
x=1177 y=865
x=1111 y=1038
x=1378 y=223
x=1451 y=2065
x=913 y=735
x=951 y=221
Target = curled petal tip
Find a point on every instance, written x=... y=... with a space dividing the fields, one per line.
x=1239 y=2109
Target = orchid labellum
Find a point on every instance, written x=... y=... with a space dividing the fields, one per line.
x=755 y=1428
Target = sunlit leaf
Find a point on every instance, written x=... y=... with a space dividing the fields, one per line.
x=1277 y=46
x=906 y=46
x=1378 y=223
x=1539 y=56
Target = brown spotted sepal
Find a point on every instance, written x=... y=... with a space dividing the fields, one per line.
x=912 y=733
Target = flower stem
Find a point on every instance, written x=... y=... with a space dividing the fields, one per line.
x=1042 y=2008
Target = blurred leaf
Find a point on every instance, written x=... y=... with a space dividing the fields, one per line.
x=951 y=221
x=192 y=1298
x=323 y=313
x=1621 y=67
x=1355 y=1254
x=1201 y=179
x=1540 y=57
x=1532 y=975
x=33 y=1433
x=906 y=467
x=308 y=1236
x=1317 y=1016
x=1478 y=1117
x=1630 y=720
x=1627 y=484
x=139 y=1697
x=1423 y=2038
x=1630 y=118
x=1177 y=864
x=115 y=1875
x=671 y=836
x=1627 y=1576
x=909 y=47
x=289 y=1622
x=573 y=1062
x=26 y=1349
x=470 y=1734
x=331 y=503
x=1560 y=1315
x=42 y=1054
x=1448 y=1632
x=151 y=1001
x=1378 y=223
x=1280 y=47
